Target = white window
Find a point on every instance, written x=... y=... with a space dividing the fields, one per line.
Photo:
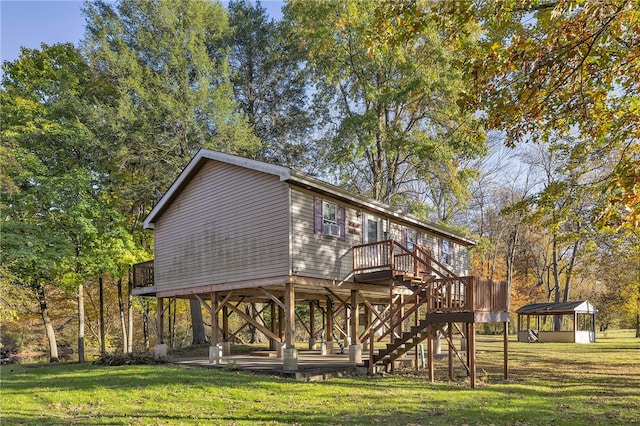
x=412 y=239
x=446 y=252
x=372 y=229
x=330 y=225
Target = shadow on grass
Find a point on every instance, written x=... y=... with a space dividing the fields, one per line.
x=547 y=385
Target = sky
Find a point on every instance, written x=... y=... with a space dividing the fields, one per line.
x=29 y=23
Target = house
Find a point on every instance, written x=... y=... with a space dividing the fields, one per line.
x=231 y=230
x=568 y=322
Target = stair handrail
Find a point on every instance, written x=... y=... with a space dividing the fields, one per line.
x=429 y=258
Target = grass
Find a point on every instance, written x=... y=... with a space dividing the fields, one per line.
x=559 y=384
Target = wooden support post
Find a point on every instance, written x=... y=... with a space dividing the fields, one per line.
x=506 y=349
x=226 y=337
x=400 y=314
x=430 y=353
x=392 y=325
x=312 y=326
x=416 y=321
x=225 y=323
x=329 y=324
x=467 y=330
x=347 y=315
x=371 y=348
x=355 y=349
x=367 y=324
x=471 y=348
x=281 y=323
x=290 y=353
x=273 y=325
x=214 y=319
x=450 y=339
x=290 y=316
x=355 y=318
x=159 y=322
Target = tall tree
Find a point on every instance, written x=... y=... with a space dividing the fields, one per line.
x=169 y=64
x=394 y=122
x=270 y=84
x=564 y=68
x=173 y=95
x=47 y=96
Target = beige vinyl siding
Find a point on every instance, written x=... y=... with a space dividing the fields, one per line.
x=315 y=255
x=228 y=224
x=460 y=260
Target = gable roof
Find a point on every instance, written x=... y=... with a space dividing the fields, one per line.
x=557 y=308
x=295 y=178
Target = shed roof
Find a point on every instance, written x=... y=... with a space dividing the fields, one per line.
x=557 y=308
x=295 y=178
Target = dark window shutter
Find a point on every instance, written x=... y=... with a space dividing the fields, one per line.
x=317 y=215
x=341 y=217
x=405 y=237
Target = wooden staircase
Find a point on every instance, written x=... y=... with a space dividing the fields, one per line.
x=445 y=298
x=417 y=333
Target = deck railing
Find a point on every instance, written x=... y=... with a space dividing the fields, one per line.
x=468 y=294
x=447 y=292
x=143 y=274
x=391 y=255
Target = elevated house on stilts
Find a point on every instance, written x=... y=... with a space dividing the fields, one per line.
x=232 y=230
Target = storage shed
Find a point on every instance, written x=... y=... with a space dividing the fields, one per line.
x=569 y=322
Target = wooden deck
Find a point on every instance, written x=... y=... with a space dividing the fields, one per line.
x=446 y=293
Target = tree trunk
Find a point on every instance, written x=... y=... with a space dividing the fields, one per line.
x=81 y=323
x=123 y=324
x=130 y=314
x=145 y=326
x=557 y=319
x=103 y=346
x=252 y=310
x=48 y=327
x=556 y=273
x=511 y=255
x=572 y=263
x=197 y=324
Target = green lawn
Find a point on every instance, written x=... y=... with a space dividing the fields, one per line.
x=549 y=384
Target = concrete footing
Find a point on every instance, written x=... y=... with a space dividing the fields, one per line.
x=161 y=350
x=355 y=354
x=290 y=359
x=215 y=354
x=437 y=346
x=327 y=348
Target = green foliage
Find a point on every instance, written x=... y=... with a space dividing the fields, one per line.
x=270 y=85
x=564 y=69
x=118 y=358
x=168 y=64
x=394 y=123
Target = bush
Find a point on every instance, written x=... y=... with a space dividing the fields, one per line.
x=129 y=359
